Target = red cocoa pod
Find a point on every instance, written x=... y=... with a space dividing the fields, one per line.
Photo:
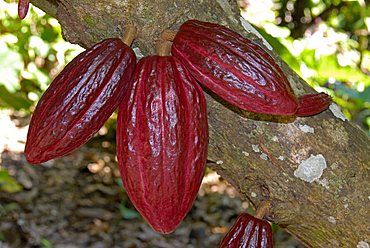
x=79 y=100
x=162 y=138
x=236 y=69
x=23 y=6
x=248 y=232
x=308 y=104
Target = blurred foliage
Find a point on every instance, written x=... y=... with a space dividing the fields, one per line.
x=46 y=243
x=32 y=52
x=326 y=42
x=8 y=184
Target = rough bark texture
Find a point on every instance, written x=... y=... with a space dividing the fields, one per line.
x=257 y=154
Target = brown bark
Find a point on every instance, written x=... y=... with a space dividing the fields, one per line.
x=257 y=154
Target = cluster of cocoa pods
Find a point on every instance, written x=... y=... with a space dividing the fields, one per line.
x=162 y=129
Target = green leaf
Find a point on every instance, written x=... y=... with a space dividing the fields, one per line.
x=8 y=184
x=39 y=45
x=308 y=57
x=365 y=95
x=13 y=100
x=46 y=243
x=328 y=66
x=37 y=75
x=11 y=64
x=284 y=53
x=50 y=34
x=127 y=213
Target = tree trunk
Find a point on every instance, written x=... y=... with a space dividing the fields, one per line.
x=315 y=170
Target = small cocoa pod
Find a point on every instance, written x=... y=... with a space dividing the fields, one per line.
x=248 y=232
x=79 y=100
x=162 y=137
x=23 y=6
x=238 y=70
x=308 y=103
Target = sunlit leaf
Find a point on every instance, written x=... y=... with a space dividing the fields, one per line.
x=328 y=67
x=10 y=65
x=127 y=213
x=280 y=49
x=39 y=45
x=8 y=184
x=13 y=100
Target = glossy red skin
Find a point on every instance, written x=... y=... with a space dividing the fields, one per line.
x=235 y=68
x=312 y=103
x=23 y=6
x=79 y=100
x=248 y=232
x=162 y=138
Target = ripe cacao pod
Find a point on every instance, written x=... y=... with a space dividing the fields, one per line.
x=308 y=103
x=162 y=138
x=23 y=6
x=239 y=70
x=248 y=232
x=79 y=100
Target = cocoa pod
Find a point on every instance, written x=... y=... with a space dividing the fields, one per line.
x=248 y=232
x=23 y=6
x=308 y=103
x=238 y=70
x=79 y=100
x=162 y=138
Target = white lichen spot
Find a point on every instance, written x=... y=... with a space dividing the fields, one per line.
x=324 y=182
x=334 y=166
x=335 y=109
x=306 y=129
x=363 y=244
x=245 y=153
x=254 y=194
x=332 y=220
x=311 y=169
x=264 y=156
x=346 y=205
x=256 y=148
x=251 y=29
x=275 y=139
x=219 y=162
x=281 y=158
x=138 y=53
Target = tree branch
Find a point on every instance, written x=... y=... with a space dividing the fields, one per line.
x=262 y=156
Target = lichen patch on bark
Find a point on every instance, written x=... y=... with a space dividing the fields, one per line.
x=306 y=129
x=335 y=109
x=311 y=169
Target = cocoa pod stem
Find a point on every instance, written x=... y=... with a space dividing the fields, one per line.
x=129 y=35
x=168 y=35
x=263 y=209
x=163 y=47
x=80 y=100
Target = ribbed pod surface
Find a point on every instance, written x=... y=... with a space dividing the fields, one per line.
x=248 y=232
x=237 y=69
x=79 y=100
x=162 y=138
